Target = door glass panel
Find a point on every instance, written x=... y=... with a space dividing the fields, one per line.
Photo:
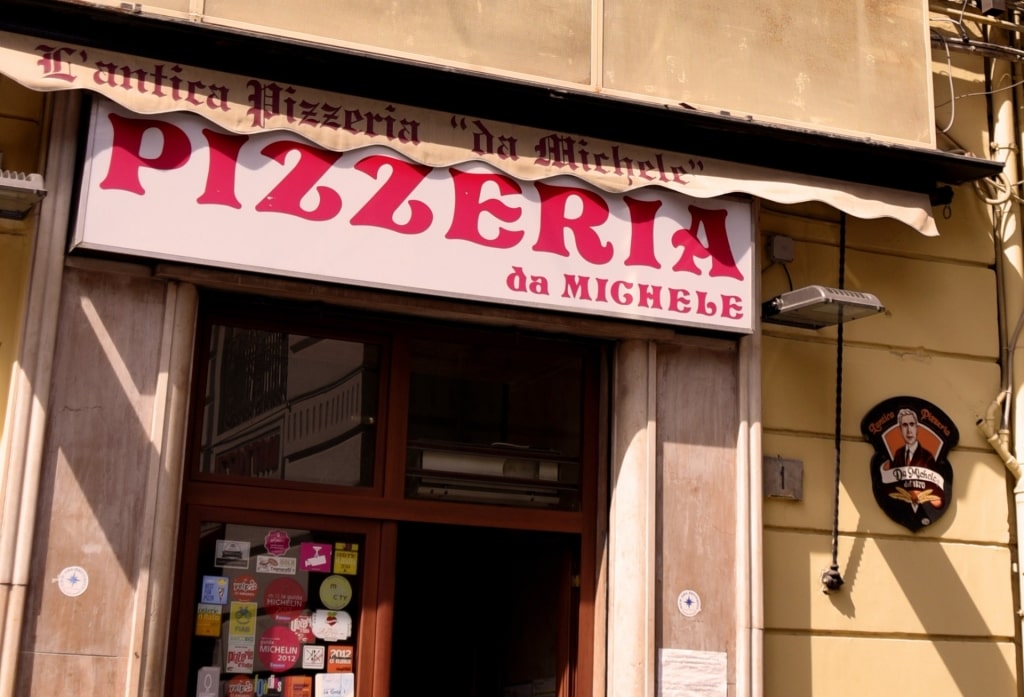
x=290 y=407
x=277 y=611
x=496 y=423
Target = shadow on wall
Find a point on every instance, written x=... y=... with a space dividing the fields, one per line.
x=954 y=631
x=919 y=573
x=913 y=621
x=97 y=461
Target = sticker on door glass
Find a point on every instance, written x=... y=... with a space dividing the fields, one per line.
x=208 y=681
x=340 y=658
x=241 y=686
x=215 y=590
x=243 y=588
x=208 y=618
x=243 y=620
x=298 y=686
x=277 y=542
x=302 y=626
x=241 y=657
x=231 y=554
x=269 y=564
x=279 y=649
x=335 y=592
x=314 y=657
x=284 y=599
x=346 y=558
x=315 y=556
x=335 y=684
x=330 y=625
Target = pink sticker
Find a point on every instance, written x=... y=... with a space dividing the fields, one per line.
x=315 y=556
x=277 y=542
x=279 y=649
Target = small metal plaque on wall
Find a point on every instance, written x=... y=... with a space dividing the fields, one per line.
x=910 y=474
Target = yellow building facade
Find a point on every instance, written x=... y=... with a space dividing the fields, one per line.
x=697 y=568
x=24 y=119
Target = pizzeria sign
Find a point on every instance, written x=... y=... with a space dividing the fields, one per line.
x=175 y=187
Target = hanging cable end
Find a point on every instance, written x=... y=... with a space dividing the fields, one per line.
x=831 y=580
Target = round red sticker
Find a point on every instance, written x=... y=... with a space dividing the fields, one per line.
x=279 y=649
x=243 y=588
x=284 y=599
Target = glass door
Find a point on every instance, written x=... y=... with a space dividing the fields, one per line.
x=281 y=606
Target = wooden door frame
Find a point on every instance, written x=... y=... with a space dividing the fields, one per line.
x=381 y=507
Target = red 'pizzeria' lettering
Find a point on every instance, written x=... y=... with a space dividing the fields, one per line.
x=313 y=164
x=220 y=177
x=126 y=157
x=486 y=208
x=380 y=210
x=718 y=249
x=469 y=206
x=554 y=222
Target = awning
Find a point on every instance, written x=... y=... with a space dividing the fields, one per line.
x=340 y=122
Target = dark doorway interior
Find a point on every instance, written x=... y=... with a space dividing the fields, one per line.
x=482 y=612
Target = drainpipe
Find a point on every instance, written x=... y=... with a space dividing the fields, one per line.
x=1005 y=416
x=999 y=439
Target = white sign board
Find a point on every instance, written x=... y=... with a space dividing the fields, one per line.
x=687 y=673
x=175 y=187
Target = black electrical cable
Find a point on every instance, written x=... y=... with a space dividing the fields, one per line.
x=831 y=578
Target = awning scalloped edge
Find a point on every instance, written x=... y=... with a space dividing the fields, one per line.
x=246 y=105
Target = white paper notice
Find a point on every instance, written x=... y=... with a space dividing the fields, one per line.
x=684 y=673
x=335 y=684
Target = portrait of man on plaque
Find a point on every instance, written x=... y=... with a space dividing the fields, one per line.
x=911 y=478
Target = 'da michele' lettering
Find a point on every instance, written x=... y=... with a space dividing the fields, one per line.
x=682 y=301
x=573 y=153
x=520 y=282
x=487 y=143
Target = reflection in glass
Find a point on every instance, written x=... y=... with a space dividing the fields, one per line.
x=288 y=406
x=498 y=424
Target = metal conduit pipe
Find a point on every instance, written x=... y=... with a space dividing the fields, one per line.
x=1005 y=416
x=981 y=48
x=959 y=11
x=999 y=438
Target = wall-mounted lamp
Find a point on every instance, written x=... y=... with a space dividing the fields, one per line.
x=814 y=307
x=19 y=192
